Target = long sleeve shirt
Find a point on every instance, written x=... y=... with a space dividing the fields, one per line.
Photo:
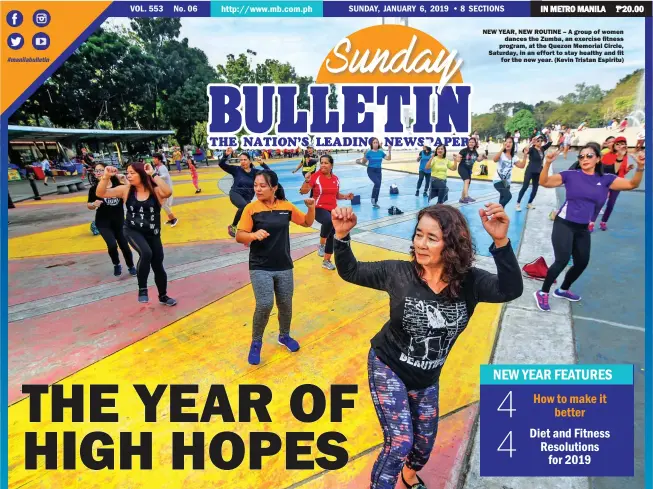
x=423 y=325
x=243 y=181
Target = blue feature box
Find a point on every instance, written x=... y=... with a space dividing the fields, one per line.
x=576 y=428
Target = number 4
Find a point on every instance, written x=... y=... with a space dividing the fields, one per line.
x=509 y=399
x=509 y=449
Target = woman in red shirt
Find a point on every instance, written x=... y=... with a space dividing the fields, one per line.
x=326 y=192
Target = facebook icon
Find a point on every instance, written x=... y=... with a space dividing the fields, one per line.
x=14 y=18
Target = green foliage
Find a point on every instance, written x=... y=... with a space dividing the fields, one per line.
x=489 y=124
x=584 y=94
x=523 y=121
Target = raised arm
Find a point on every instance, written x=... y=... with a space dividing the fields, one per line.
x=522 y=163
x=104 y=191
x=388 y=157
x=546 y=180
x=507 y=283
x=223 y=162
x=636 y=180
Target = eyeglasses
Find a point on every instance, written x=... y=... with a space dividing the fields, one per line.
x=586 y=155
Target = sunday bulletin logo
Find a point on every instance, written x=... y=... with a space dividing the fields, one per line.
x=393 y=82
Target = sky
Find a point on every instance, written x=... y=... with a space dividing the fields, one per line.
x=304 y=43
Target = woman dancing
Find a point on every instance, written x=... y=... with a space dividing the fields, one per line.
x=533 y=169
x=265 y=227
x=374 y=157
x=242 y=190
x=432 y=298
x=324 y=186
x=439 y=167
x=468 y=155
x=144 y=196
x=424 y=158
x=586 y=188
x=502 y=178
x=109 y=220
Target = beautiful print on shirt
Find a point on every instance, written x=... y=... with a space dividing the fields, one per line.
x=433 y=327
x=142 y=216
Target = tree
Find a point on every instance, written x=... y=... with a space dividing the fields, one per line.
x=584 y=94
x=489 y=124
x=542 y=111
x=523 y=121
x=333 y=97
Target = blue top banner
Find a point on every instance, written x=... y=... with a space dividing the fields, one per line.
x=371 y=8
x=557 y=374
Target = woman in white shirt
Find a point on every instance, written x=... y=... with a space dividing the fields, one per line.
x=505 y=161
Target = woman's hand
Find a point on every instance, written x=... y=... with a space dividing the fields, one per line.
x=344 y=220
x=229 y=151
x=260 y=235
x=97 y=203
x=109 y=171
x=350 y=196
x=552 y=155
x=496 y=223
x=640 y=158
x=310 y=203
x=148 y=169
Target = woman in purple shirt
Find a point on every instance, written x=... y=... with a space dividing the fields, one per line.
x=586 y=188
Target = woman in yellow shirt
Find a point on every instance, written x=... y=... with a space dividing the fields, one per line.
x=439 y=165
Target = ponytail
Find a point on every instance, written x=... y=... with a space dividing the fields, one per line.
x=280 y=193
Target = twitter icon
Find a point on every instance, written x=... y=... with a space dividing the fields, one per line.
x=15 y=41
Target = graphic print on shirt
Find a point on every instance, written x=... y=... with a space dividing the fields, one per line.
x=143 y=217
x=112 y=201
x=433 y=328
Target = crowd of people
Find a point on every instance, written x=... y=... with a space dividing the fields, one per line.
x=433 y=294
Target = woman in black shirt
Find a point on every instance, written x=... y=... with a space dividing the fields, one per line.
x=144 y=196
x=533 y=169
x=109 y=220
x=432 y=298
x=466 y=159
x=242 y=190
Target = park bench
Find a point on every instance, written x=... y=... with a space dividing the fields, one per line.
x=70 y=187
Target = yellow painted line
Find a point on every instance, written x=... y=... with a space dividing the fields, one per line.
x=81 y=199
x=204 y=220
x=333 y=321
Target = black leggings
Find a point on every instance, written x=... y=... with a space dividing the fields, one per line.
x=528 y=178
x=424 y=176
x=505 y=195
x=150 y=251
x=113 y=236
x=439 y=189
x=323 y=216
x=569 y=240
x=240 y=202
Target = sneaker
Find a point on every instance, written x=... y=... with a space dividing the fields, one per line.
x=288 y=342
x=566 y=294
x=425 y=194
x=328 y=265
x=198 y=190
x=168 y=222
x=167 y=301
x=254 y=357
x=604 y=226
x=117 y=270
x=591 y=227
x=232 y=231
x=518 y=207
x=462 y=200
x=142 y=296
x=530 y=206
x=376 y=205
x=320 y=250
x=417 y=193
x=469 y=199
x=173 y=223
x=132 y=271
x=542 y=301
